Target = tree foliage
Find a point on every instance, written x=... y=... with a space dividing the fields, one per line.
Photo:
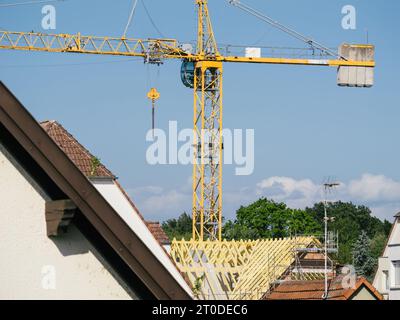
x=350 y=221
x=363 y=260
x=377 y=245
x=269 y=219
x=180 y=228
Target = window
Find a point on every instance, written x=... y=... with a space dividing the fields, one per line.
x=386 y=285
x=396 y=265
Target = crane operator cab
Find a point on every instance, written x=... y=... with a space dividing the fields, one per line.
x=187 y=73
x=211 y=76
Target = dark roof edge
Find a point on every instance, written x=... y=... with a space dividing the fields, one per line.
x=32 y=137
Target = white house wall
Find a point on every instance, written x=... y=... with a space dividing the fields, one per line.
x=113 y=194
x=394 y=255
x=391 y=253
x=379 y=280
x=33 y=266
x=363 y=295
x=395 y=235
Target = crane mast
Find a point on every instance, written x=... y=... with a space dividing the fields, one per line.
x=207 y=128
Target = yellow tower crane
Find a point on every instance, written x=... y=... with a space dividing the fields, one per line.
x=203 y=72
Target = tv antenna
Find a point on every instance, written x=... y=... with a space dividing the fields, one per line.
x=328 y=187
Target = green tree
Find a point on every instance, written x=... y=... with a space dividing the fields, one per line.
x=378 y=243
x=269 y=219
x=180 y=228
x=302 y=222
x=387 y=228
x=350 y=220
x=265 y=219
x=363 y=261
x=233 y=231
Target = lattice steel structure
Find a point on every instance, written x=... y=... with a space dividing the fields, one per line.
x=243 y=270
x=207 y=169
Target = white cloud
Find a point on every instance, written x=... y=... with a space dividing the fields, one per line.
x=167 y=201
x=297 y=193
x=375 y=188
x=157 y=203
x=378 y=192
x=147 y=190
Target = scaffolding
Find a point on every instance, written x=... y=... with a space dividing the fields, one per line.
x=309 y=260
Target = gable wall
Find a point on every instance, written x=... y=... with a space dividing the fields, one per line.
x=395 y=236
x=363 y=294
x=34 y=266
x=391 y=253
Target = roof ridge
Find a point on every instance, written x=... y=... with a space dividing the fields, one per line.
x=45 y=122
x=74 y=140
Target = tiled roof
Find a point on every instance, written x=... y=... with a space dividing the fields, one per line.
x=79 y=155
x=82 y=158
x=158 y=232
x=314 y=290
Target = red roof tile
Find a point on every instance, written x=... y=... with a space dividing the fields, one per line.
x=314 y=290
x=158 y=232
x=79 y=155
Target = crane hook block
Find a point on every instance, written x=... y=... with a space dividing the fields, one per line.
x=153 y=94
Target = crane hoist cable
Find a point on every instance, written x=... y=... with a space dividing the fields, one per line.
x=152 y=20
x=153 y=95
x=4 y=5
x=312 y=43
x=130 y=17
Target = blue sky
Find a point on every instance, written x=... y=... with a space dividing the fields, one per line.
x=306 y=128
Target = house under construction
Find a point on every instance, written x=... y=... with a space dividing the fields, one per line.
x=246 y=270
